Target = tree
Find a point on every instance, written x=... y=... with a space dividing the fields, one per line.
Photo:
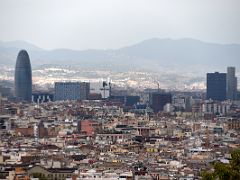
x=222 y=171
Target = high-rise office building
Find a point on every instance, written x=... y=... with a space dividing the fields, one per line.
x=158 y=100
x=231 y=84
x=84 y=90
x=71 y=91
x=216 y=86
x=23 y=77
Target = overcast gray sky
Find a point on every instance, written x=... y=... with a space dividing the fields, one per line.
x=83 y=24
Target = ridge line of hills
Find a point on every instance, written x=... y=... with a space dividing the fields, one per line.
x=152 y=55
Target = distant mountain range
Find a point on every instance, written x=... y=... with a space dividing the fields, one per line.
x=151 y=55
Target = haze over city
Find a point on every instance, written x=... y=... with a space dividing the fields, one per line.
x=119 y=90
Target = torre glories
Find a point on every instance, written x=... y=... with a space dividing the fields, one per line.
x=23 y=77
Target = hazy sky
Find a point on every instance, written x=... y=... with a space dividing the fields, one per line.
x=82 y=24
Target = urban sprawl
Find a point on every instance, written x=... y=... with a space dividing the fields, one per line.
x=71 y=133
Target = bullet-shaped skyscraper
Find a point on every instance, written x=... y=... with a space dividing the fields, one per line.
x=23 y=77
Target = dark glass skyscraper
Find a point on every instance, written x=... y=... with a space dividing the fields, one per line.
x=158 y=100
x=216 y=86
x=23 y=77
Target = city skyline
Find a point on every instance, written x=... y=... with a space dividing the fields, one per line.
x=119 y=89
x=164 y=60
x=186 y=39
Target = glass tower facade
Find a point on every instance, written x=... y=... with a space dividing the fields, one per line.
x=23 y=77
x=216 y=86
